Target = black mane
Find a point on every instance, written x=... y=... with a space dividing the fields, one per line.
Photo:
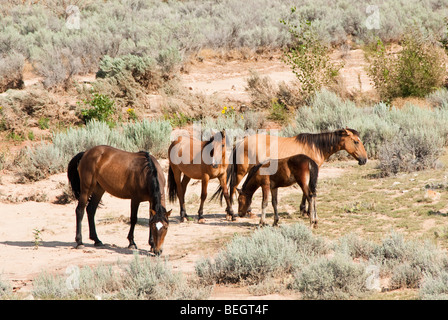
x=154 y=183
x=324 y=140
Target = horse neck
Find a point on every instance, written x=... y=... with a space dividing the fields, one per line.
x=327 y=144
x=251 y=186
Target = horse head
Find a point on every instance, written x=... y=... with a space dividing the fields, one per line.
x=244 y=202
x=351 y=142
x=218 y=149
x=158 y=225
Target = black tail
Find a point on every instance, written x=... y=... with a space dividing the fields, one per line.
x=172 y=187
x=231 y=171
x=314 y=173
x=73 y=175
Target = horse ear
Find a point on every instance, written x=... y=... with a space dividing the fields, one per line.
x=168 y=213
x=239 y=190
x=153 y=213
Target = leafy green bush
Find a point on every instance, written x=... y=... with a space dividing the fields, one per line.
x=309 y=58
x=417 y=70
x=101 y=108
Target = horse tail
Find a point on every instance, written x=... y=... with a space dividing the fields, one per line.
x=172 y=187
x=314 y=173
x=230 y=171
x=73 y=175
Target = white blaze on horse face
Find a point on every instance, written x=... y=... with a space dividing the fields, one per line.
x=159 y=225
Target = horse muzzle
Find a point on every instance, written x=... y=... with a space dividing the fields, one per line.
x=362 y=161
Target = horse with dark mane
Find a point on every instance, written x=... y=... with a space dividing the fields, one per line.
x=201 y=160
x=136 y=176
x=319 y=147
x=298 y=169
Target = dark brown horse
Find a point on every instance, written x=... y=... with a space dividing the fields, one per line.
x=136 y=176
x=296 y=169
x=318 y=146
x=201 y=160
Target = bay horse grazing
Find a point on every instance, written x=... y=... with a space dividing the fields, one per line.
x=126 y=175
x=200 y=160
x=296 y=169
x=318 y=146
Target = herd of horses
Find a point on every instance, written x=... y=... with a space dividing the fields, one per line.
x=270 y=162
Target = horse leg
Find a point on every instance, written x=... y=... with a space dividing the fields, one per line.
x=229 y=211
x=91 y=210
x=274 y=194
x=313 y=213
x=303 y=207
x=79 y=215
x=205 y=179
x=134 y=210
x=181 y=192
x=264 y=204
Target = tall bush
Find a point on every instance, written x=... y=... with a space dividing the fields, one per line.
x=309 y=58
x=417 y=70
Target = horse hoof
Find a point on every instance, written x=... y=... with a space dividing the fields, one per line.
x=99 y=244
x=80 y=246
x=201 y=221
x=132 y=247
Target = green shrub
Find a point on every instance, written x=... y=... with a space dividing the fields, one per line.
x=154 y=279
x=331 y=278
x=101 y=108
x=268 y=252
x=309 y=58
x=49 y=158
x=144 y=278
x=417 y=70
x=434 y=287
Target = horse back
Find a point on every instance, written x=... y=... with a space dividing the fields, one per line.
x=119 y=172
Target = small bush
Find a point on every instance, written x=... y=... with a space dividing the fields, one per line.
x=268 y=252
x=11 y=71
x=101 y=108
x=354 y=246
x=42 y=160
x=331 y=278
x=154 y=279
x=146 y=278
x=434 y=287
x=411 y=150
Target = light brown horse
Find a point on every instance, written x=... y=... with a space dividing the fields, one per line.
x=136 y=176
x=200 y=160
x=318 y=146
x=296 y=169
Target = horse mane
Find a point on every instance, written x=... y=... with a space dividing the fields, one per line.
x=324 y=140
x=154 y=183
x=252 y=173
x=212 y=138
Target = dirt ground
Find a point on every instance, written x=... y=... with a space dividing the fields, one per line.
x=37 y=234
